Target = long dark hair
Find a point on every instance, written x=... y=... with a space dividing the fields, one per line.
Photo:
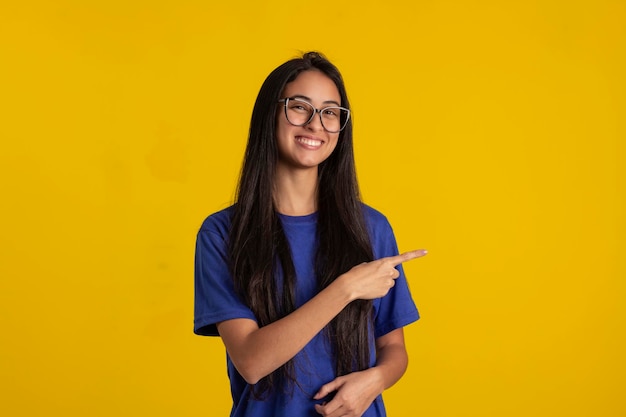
x=258 y=248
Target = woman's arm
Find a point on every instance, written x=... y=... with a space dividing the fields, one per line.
x=355 y=392
x=257 y=352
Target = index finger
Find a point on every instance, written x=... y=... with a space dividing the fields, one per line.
x=407 y=256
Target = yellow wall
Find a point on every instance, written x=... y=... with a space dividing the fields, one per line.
x=490 y=132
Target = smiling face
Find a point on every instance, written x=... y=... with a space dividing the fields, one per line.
x=305 y=147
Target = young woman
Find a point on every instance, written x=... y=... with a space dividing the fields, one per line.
x=302 y=281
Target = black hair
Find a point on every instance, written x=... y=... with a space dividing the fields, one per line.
x=258 y=248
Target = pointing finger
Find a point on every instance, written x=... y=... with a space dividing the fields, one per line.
x=407 y=256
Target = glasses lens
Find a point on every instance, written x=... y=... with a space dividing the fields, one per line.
x=334 y=118
x=299 y=112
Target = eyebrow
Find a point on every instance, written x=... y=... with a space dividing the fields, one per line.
x=309 y=100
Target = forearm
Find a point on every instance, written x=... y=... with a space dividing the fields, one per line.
x=391 y=363
x=391 y=359
x=257 y=352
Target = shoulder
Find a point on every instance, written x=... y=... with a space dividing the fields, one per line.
x=381 y=233
x=218 y=222
x=375 y=219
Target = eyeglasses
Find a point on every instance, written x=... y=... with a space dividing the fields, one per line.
x=300 y=113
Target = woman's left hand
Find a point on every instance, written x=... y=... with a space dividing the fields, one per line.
x=354 y=393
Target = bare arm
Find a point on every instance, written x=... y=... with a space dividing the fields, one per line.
x=391 y=357
x=257 y=352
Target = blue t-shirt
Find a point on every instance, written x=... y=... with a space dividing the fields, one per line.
x=216 y=301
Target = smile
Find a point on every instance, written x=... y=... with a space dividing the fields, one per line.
x=309 y=141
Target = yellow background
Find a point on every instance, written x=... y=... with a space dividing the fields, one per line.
x=490 y=132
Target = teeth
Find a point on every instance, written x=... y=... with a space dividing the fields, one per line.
x=310 y=142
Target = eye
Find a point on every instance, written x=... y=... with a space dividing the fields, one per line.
x=331 y=112
x=299 y=107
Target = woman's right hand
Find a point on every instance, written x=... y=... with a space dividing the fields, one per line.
x=374 y=279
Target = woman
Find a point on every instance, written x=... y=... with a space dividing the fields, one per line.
x=300 y=279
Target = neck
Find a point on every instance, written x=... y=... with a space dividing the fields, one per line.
x=295 y=191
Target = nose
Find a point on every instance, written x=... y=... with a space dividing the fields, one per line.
x=316 y=122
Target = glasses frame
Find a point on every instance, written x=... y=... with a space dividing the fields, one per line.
x=315 y=110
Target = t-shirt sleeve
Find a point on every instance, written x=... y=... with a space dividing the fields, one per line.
x=215 y=296
x=396 y=309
